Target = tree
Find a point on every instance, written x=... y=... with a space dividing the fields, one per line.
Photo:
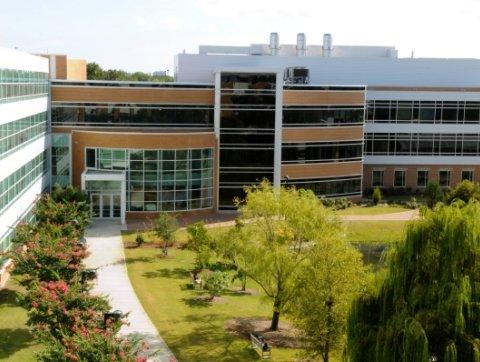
x=428 y=305
x=433 y=194
x=464 y=191
x=282 y=223
x=377 y=195
x=200 y=242
x=165 y=227
x=95 y=72
x=216 y=282
x=327 y=284
x=233 y=246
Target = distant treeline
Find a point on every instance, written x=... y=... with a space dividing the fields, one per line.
x=95 y=72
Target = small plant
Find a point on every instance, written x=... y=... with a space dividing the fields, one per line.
x=165 y=227
x=377 y=196
x=216 y=282
x=412 y=204
x=433 y=194
x=140 y=240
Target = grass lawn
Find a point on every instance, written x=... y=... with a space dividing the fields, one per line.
x=375 y=231
x=371 y=210
x=192 y=328
x=16 y=341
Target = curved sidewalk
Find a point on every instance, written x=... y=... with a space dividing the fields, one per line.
x=107 y=256
x=394 y=216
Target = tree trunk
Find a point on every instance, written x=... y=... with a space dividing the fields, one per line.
x=244 y=282
x=276 y=315
x=326 y=354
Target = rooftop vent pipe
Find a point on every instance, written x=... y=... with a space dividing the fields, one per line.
x=274 y=43
x=327 y=44
x=301 y=45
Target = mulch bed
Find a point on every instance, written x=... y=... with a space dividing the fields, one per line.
x=286 y=336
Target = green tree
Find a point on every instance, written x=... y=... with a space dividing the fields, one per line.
x=201 y=243
x=377 y=195
x=327 y=285
x=216 y=282
x=165 y=227
x=282 y=223
x=464 y=191
x=428 y=305
x=95 y=72
x=433 y=193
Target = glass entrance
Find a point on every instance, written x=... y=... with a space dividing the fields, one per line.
x=105 y=205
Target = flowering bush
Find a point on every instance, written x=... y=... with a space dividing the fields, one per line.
x=48 y=257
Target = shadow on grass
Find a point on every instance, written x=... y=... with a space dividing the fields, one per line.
x=8 y=298
x=141 y=259
x=13 y=340
x=176 y=273
x=208 y=341
x=197 y=302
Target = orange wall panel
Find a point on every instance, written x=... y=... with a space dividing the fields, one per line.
x=312 y=134
x=319 y=170
x=305 y=97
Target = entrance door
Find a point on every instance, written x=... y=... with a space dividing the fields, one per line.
x=105 y=206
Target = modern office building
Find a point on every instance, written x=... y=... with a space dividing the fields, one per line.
x=24 y=140
x=334 y=119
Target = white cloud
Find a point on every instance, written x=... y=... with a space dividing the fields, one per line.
x=140 y=20
x=172 y=22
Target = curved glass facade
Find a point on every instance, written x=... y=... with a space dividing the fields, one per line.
x=160 y=180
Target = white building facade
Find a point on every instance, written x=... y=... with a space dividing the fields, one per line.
x=24 y=138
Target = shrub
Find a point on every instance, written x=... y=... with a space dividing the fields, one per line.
x=377 y=196
x=433 y=194
x=412 y=204
x=464 y=191
x=216 y=282
x=140 y=240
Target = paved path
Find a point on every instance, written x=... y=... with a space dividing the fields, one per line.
x=105 y=244
x=395 y=216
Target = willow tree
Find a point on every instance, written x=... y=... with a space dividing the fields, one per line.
x=282 y=225
x=428 y=306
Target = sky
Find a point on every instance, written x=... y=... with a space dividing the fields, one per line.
x=145 y=35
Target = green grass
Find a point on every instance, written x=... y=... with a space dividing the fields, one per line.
x=16 y=341
x=181 y=235
x=371 y=210
x=374 y=231
x=193 y=329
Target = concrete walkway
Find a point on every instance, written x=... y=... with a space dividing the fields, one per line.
x=105 y=244
x=395 y=216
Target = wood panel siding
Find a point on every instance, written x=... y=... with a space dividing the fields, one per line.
x=314 y=134
x=423 y=89
x=411 y=174
x=305 y=97
x=76 y=69
x=132 y=95
x=319 y=170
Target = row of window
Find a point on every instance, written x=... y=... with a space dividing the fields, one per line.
x=423 y=111
x=14 y=134
x=322 y=116
x=22 y=84
x=60 y=159
x=444 y=177
x=330 y=187
x=18 y=181
x=160 y=180
x=428 y=144
x=321 y=152
x=132 y=115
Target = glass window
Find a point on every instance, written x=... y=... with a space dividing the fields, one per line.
x=422 y=178
x=377 y=178
x=444 y=178
x=90 y=157
x=467 y=175
x=399 y=178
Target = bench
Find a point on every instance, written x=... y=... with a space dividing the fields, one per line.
x=260 y=345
